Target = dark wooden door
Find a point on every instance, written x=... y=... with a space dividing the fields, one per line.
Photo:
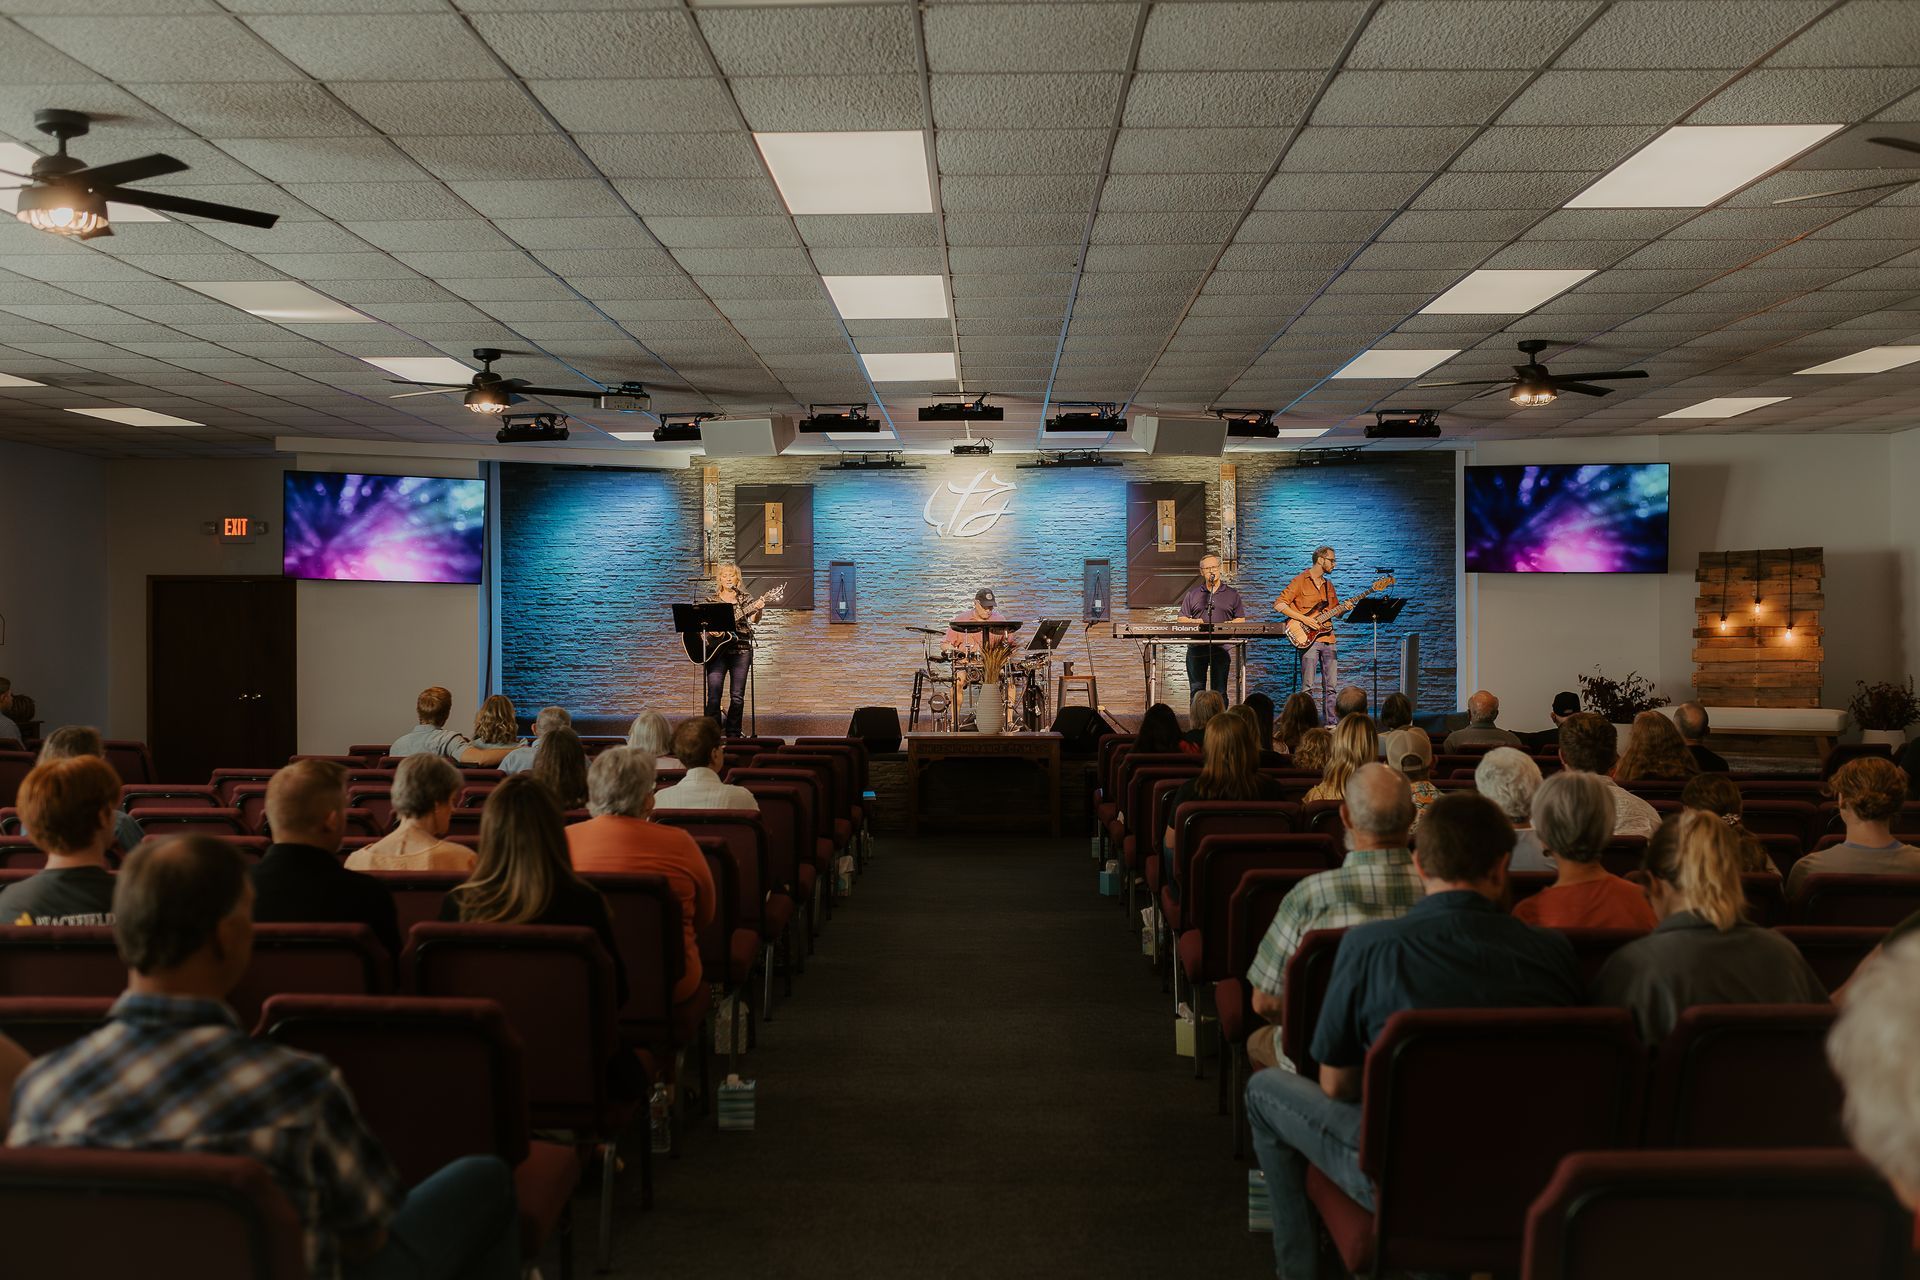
x=1156 y=577
x=220 y=674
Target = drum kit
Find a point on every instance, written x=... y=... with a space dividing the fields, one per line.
x=955 y=675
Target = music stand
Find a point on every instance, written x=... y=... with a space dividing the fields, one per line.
x=690 y=620
x=1377 y=609
x=1049 y=634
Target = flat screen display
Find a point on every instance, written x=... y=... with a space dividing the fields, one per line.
x=1590 y=518
x=362 y=528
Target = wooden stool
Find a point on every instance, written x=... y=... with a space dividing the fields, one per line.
x=1086 y=684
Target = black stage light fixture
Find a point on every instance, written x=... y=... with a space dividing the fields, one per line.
x=850 y=418
x=680 y=428
x=1249 y=424
x=1087 y=416
x=1070 y=458
x=974 y=410
x=532 y=428
x=628 y=397
x=1333 y=456
x=1404 y=424
x=971 y=448
x=889 y=460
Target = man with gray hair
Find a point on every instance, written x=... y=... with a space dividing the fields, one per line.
x=1875 y=1050
x=1482 y=710
x=520 y=759
x=1690 y=718
x=1509 y=777
x=1376 y=882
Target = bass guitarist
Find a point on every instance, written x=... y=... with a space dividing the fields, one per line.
x=1311 y=601
x=733 y=658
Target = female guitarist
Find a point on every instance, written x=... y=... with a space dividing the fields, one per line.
x=731 y=656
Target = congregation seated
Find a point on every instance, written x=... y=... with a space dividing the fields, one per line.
x=1869 y=791
x=1704 y=950
x=1456 y=948
x=523 y=875
x=431 y=735
x=650 y=733
x=300 y=879
x=496 y=733
x=1510 y=778
x=1350 y=701
x=699 y=744
x=1229 y=770
x=1873 y=1047
x=8 y=728
x=1355 y=743
x=1159 y=731
x=1655 y=750
x=13 y=1062
x=1480 y=731
x=71 y=741
x=425 y=789
x=173 y=1071
x=1410 y=752
x=1717 y=794
x=1588 y=744
x=1566 y=703
x=561 y=767
x=1396 y=712
x=1297 y=715
x=1375 y=882
x=69 y=806
x=620 y=838
x=1205 y=706
x=1260 y=707
x=1573 y=815
x=1690 y=718
x=1314 y=750
x=520 y=759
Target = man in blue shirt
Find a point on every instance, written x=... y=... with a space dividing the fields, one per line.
x=1456 y=949
x=1211 y=601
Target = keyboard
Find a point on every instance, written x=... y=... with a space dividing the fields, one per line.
x=1192 y=630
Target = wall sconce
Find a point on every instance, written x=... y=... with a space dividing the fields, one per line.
x=1164 y=526
x=709 y=515
x=840 y=592
x=776 y=535
x=1096 y=590
x=1229 y=513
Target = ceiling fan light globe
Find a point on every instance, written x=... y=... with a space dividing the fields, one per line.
x=62 y=211
x=1529 y=397
x=488 y=399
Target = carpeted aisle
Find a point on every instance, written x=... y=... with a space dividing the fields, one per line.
x=976 y=1077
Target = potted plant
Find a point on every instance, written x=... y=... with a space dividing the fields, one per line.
x=1618 y=700
x=1883 y=711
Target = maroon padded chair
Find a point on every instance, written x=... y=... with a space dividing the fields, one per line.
x=1782 y=850
x=250 y=798
x=223 y=781
x=1781 y=817
x=417 y=895
x=311 y=959
x=1250 y=912
x=194 y=822
x=155 y=796
x=557 y=988
x=855 y=778
x=68 y=960
x=1882 y=901
x=1624 y=854
x=14 y=768
x=474 y=795
x=1766 y=897
x=1140 y=842
x=1451 y=1192
x=464 y=822
x=1524 y=884
x=368 y=752
x=18 y=853
x=1126 y=766
x=723 y=957
x=1106 y=756
x=1322 y=816
x=813 y=850
x=345 y=762
x=435 y=1080
x=377 y=801
x=1308 y=971
x=838 y=781
x=1592 y=948
x=1744 y=1075
x=131 y=760
x=42 y=1024
x=1834 y=951
x=1677 y=1215
x=370 y=777
x=220 y=1217
x=1196 y=820
x=647 y=928
x=771 y=840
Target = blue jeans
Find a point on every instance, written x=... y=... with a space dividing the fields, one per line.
x=1204 y=660
x=1295 y=1122
x=460 y=1223
x=1318 y=661
x=730 y=663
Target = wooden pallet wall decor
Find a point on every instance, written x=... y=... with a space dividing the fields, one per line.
x=1758 y=640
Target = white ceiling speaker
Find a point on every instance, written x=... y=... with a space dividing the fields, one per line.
x=747 y=437
x=1180 y=437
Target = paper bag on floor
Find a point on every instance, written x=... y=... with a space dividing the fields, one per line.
x=737 y=1103
x=727 y=1036
x=1183 y=1029
x=1259 y=1213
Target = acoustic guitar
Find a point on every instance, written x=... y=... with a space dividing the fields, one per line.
x=701 y=646
x=1304 y=637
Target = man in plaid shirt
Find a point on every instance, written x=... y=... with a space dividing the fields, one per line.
x=1376 y=882
x=173 y=1071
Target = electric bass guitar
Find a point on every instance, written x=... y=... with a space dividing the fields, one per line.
x=701 y=646
x=1305 y=637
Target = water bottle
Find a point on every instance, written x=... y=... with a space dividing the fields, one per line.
x=660 y=1125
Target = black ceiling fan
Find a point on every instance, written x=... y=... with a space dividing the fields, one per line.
x=1533 y=385
x=1898 y=144
x=488 y=392
x=66 y=197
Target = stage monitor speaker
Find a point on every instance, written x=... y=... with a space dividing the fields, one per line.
x=878 y=727
x=1410 y=667
x=1180 y=437
x=746 y=437
x=1081 y=729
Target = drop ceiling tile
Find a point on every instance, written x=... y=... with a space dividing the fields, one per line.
x=1143 y=192
x=1852 y=35
x=1253 y=99
x=1595 y=98
x=1831 y=253
x=1151 y=258
x=1024 y=101
x=1421 y=255
x=1688 y=33
x=853 y=42
x=639 y=288
x=1461 y=224
x=1415 y=97
x=1419 y=34
x=503 y=265
x=1015 y=228
x=673 y=155
x=830 y=103
x=1029 y=37
x=445 y=108
x=1065 y=194
x=574 y=198
x=1294 y=226
x=731 y=262
x=355 y=160
x=336 y=266
x=1538 y=191
x=1012 y=285
x=424 y=201
x=639 y=106
x=1797 y=95
x=1339 y=191
x=1200 y=151
x=253 y=110
x=1374 y=151
x=609 y=45
x=1229 y=282
x=356 y=292
x=442 y=234
x=699 y=197
x=509 y=157
x=1156 y=228
x=1020 y=151
x=577 y=233
x=1246 y=37
x=875 y=261
x=1559 y=255
x=158 y=237
x=181 y=48
x=880 y=230
x=1041 y=259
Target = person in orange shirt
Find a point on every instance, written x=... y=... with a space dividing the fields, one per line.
x=1311 y=601
x=1573 y=815
x=618 y=838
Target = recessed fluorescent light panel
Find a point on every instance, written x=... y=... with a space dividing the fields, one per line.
x=1502 y=293
x=1872 y=360
x=280 y=300
x=633 y=437
x=8 y=380
x=18 y=159
x=423 y=368
x=910 y=366
x=1725 y=407
x=139 y=417
x=1692 y=166
x=888 y=297
x=849 y=172
x=1395 y=364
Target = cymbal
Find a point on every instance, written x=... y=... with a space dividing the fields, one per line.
x=927 y=631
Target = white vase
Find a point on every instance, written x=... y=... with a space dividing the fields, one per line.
x=1895 y=738
x=988 y=712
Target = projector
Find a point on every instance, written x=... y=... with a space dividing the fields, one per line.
x=852 y=418
x=629 y=397
x=1093 y=415
x=972 y=448
x=1404 y=424
x=1249 y=424
x=679 y=428
x=534 y=428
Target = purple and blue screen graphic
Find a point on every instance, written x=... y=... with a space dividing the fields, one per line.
x=1567 y=519
x=384 y=528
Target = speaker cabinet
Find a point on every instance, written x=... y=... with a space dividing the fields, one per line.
x=1081 y=729
x=746 y=437
x=878 y=727
x=1180 y=437
x=1410 y=667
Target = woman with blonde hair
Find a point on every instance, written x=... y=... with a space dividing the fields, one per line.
x=1704 y=950
x=1355 y=742
x=1315 y=748
x=731 y=660
x=1655 y=749
x=651 y=733
x=496 y=733
x=1205 y=706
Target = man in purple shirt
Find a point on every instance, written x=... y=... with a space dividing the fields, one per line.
x=1211 y=601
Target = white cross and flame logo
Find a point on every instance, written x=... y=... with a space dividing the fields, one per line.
x=962 y=523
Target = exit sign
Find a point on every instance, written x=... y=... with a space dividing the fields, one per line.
x=236 y=528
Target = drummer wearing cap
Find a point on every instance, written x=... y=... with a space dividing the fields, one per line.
x=982 y=611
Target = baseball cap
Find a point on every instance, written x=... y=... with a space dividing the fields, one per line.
x=985 y=596
x=1565 y=703
x=1396 y=745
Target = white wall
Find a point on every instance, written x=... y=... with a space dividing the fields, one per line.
x=1903 y=472
x=53 y=556
x=1528 y=637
